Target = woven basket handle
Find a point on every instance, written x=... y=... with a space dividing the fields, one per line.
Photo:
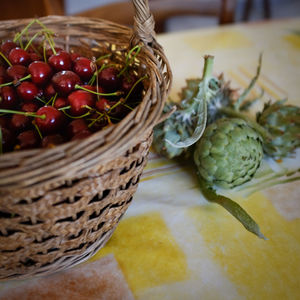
x=143 y=28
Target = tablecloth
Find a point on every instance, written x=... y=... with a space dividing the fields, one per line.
x=172 y=243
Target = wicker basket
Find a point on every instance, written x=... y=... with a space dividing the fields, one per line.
x=59 y=206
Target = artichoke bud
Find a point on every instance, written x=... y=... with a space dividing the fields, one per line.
x=283 y=123
x=228 y=153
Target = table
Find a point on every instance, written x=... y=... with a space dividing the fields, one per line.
x=172 y=243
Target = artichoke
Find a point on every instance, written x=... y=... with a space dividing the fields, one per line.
x=229 y=152
x=283 y=123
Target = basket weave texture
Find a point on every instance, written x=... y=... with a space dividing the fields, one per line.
x=59 y=206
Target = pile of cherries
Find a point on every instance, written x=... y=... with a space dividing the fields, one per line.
x=49 y=96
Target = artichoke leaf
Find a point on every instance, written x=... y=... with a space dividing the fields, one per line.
x=232 y=207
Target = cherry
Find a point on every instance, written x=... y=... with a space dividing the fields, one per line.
x=60 y=61
x=53 y=120
x=7 y=46
x=18 y=56
x=40 y=72
x=29 y=107
x=49 y=91
x=76 y=126
x=19 y=122
x=3 y=75
x=64 y=82
x=103 y=104
x=50 y=141
x=84 y=67
x=27 y=140
x=74 y=55
x=50 y=52
x=109 y=80
x=4 y=122
x=61 y=102
x=81 y=135
x=28 y=91
x=8 y=97
x=16 y=72
x=79 y=100
x=8 y=139
x=98 y=122
x=92 y=88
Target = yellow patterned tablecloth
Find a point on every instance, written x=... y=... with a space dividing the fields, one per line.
x=173 y=244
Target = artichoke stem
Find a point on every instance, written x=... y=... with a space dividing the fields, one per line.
x=208 y=68
x=236 y=114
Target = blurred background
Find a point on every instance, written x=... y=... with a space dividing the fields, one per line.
x=170 y=15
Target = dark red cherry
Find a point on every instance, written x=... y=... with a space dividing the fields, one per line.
x=92 y=88
x=60 y=61
x=16 y=72
x=61 y=102
x=35 y=57
x=7 y=46
x=64 y=82
x=74 y=55
x=19 y=122
x=8 y=139
x=27 y=91
x=50 y=141
x=50 y=52
x=75 y=127
x=79 y=100
x=53 y=119
x=109 y=80
x=28 y=139
x=99 y=124
x=29 y=107
x=81 y=135
x=8 y=97
x=49 y=91
x=40 y=72
x=84 y=67
x=18 y=56
x=103 y=104
x=4 y=122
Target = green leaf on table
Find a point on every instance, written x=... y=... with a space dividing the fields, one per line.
x=232 y=207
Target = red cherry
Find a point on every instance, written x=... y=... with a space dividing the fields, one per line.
x=61 y=102
x=74 y=55
x=81 y=135
x=50 y=141
x=60 y=61
x=7 y=46
x=53 y=120
x=4 y=122
x=28 y=139
x=8 y=97
x=18 y=56
x=28 y=91
x=75 y=127
x=79 y=100
x=64 y=82
x=84 y=67
x=40 y=72
x=92 y=88
x=103 y=104
x=35 y=57
x=29 y=107
x=16 y=72
x=50 y=52
x=19 y=122
x=109 y=80
x=49 y=91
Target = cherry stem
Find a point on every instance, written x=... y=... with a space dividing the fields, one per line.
x=135 y=84
x=103 y=57
x=129 y=61
x=64 y=108
x=51 y=42
x=31 y=40
x=24 y=113
x=38 y=98
x=73 y=117
x=14 y=82
x=18 y=35
x=96 y=120
x=5 y=58
x=1 y=149
x=37 y=129
x=117 y=93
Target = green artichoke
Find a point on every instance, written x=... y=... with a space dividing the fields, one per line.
x=229 y=152
x=283 y=123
